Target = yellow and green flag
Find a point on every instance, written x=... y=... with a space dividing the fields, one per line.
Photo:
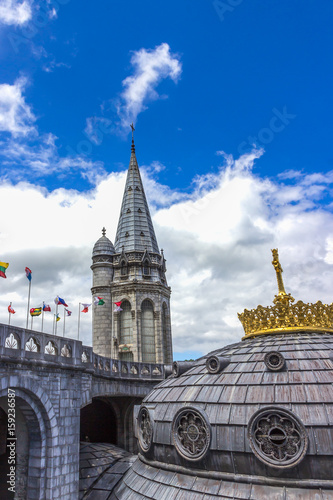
x=3 y=267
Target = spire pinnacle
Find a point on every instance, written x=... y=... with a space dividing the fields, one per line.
x=133 y=145
x=103 y=231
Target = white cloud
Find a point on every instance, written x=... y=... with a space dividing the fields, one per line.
x=97 y=128
x=217 y=243
x=13 y=12
x=150 y=67
x=16 y=116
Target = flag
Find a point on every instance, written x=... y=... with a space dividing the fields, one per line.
x=98 y=301
x=57 y=317
x=69 y=313
x=28 y=273
x=117 y=308
x=11 y=310
x=3 y=267
x=35 y=311
x=85 y=308
x=46 y=308
x=59 y=300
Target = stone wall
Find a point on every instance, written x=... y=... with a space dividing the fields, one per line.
x=53 y=378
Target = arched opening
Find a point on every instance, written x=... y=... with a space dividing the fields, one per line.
x=25 y=449
x=147 y=332
x=98 y=423
x=126 y=332
x=165 y=328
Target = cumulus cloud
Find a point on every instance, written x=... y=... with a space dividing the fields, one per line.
x=16 y=116
x=150 y=67
x=15 y=13
x=217 y=241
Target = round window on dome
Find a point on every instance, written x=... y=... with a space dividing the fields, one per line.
x=274 y=361
x=191 y=433
x=277 y=437
x=145 y=429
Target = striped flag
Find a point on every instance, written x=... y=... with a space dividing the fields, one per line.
x=3 y=267
x=28 y=273
x=98 y=301
x=85 y=308
x=35 y=311
x=59 y=300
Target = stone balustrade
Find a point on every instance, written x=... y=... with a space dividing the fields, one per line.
x=25 y=346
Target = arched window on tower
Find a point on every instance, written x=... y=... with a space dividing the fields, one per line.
x=165 y=328
x=126 y=332
x=123 y=269
x=148 y=332
x=146 y=268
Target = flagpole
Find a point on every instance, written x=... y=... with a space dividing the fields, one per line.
x=28 y=303
x=43 y=317
x=78 y=325
x=63 y=332
x=53 y=324
x=56 y=322
x=10 y=305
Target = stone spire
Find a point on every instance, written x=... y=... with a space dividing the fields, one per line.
x=135 y=228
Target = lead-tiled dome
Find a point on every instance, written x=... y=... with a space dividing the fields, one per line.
x=103 y=246
x=251 y=420
x=245 y=429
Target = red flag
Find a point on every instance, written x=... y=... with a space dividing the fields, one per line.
x=118 y=304
x=11 y=310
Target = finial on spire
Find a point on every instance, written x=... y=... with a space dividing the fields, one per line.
x=103 y=231
x=133 y=130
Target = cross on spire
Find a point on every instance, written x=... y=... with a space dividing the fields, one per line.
x=103 y=231
x=133 y=130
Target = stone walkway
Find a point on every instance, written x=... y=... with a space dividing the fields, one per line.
x=102 y=465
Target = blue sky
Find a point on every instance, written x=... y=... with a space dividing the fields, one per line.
x=211 y=86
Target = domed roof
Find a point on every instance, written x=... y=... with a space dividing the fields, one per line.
x=250 y=420
x=103 y=246
x=254 y=418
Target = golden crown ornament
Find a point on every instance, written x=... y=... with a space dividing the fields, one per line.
x=285 y=316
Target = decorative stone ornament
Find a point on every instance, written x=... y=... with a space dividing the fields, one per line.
x=215 y=364
x=145 y=429
x=191 y=433
x=274 y=361
x=277 y=437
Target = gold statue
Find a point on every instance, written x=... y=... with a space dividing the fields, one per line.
x=285 y=316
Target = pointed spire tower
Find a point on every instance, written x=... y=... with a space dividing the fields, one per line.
x=141 y=330
x=135 y=228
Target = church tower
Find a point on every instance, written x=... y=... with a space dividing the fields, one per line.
x=132 y=272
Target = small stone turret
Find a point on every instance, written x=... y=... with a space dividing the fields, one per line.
x=102 y=277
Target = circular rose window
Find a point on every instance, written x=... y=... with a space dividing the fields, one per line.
x=145 y=429
x=277 y=437
x=191 y=433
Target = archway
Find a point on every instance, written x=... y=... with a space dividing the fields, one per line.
x=98 y=422
x=26 y=451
